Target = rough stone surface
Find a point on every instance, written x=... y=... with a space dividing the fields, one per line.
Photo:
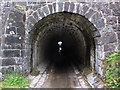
x=60 y=7
x=71 y=7
x=11 y=53
x=66 y=6
x=89 y=13
x=94 y=81
x=50 y=8
x=6 y=62
x=109 y=38
x=13 y=39
x=18 y=19
x=111 y=20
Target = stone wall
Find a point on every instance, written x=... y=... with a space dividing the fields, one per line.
x=18 y=19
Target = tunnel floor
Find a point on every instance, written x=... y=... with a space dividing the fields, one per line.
x=60 y=77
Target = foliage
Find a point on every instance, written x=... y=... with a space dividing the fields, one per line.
x=14 y=80
x=112 y=76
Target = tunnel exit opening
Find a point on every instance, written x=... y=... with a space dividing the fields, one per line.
x=63 y=40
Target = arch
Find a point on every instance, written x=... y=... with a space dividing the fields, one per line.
x=90 y=19
x=76 y=29
x=93 y=15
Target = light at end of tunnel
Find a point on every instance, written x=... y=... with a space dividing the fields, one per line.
x=59 y=43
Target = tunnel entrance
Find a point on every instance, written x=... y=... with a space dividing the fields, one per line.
x=62 y=40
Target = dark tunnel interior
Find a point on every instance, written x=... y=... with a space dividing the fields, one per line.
x=71 y=51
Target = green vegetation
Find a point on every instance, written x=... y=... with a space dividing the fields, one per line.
x=112 y=76
x=14 y=80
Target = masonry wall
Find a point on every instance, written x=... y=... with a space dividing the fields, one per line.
x=18 y=18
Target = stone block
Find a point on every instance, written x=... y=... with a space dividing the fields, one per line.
x=41 y=14
x=116 y=27
x=50 y=8
x=100 y=47
x=21 y=31
x=11 y=22
x=71 y=7
x=106 y=29
x=21 y=3
x=19 y=61
x=35 y=7
x=100 y=23
x=96 y=17
x=11 y=53
x=11 y=30
x=11 y=15
x=106 y=12
x=30 y=25
x=35 y=15
x=46 y=10
x=19 y=24
x=60 y=6
x=111 y=20
x=78 y=8
x=112 y=38
x=109 y=47
x=108 y=38
x=17 y=16
x=114 y=5
x=98 y=62
x=9 y=39
x=99 y=55
x=6 y=9
x=9 y=61
x=12 y=46
x=54 y=6
x=98 y=41
x=85 y=9
x=101 y=5
x=89 y=13
x=66 y=6
x=96 y=34
x=116 y=11
x=31 y=20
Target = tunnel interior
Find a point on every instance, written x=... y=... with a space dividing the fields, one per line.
x=69 y=52
x=60 y=42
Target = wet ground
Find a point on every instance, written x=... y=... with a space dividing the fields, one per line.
x=61 y=77
x=66 y=76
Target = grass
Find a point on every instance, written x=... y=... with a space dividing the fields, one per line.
x=14 y=80
x=112 y=76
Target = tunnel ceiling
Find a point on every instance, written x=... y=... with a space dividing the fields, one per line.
x=62 y=20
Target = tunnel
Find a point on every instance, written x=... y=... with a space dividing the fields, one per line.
x=63 y=40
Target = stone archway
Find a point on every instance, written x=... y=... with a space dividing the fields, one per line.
x=91 y=15
x=54 y=28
